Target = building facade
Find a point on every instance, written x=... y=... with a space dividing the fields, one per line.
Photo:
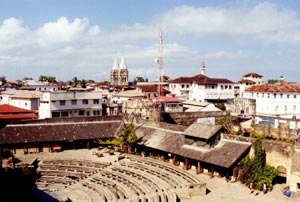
x=70 y=104
x=281 y=100
x=119 y=73
x=202 y=88
x=24 y=99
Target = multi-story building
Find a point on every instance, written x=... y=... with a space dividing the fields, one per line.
x=250 y=79
x=24 y=99
x=282 y=100
x=202 y=88
x=70 y=104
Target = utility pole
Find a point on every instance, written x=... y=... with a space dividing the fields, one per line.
x=159 y=61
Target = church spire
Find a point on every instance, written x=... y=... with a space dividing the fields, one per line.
x=115 y=64
x=123 y=64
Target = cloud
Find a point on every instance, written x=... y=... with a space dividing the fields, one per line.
x=81 y=49
x=63 y=32
x=223 y=55
x=264 y=21
x=13 y=34
x=11 y=29
x=135 y=32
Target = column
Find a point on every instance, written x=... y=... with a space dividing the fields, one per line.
x=186 y=163
x=199 y=168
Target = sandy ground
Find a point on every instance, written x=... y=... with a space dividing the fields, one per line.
x=219 y=189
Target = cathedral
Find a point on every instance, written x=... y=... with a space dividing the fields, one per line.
x=119 y=73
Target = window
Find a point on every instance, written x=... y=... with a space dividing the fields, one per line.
x=285 y=109
x=74 y=102
x=64 y=114
x=274 y=95
x=62 y=102
x=81 y=113
x=295 y=96
x=96 y=113
x=281 y=95
x=287 y=96
x=55 y=114
x=96 y=102
x=298 y=185
x=85 y=102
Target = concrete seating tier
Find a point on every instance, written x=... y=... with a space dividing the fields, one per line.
x=132 y=179
x=165 y=166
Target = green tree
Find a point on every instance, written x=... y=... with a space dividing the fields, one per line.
x=3 y=80
x=255 y=171
x=126 y=140
x=43 y=78
x=221 y=106
x=83 y=83
x=27 y=78
x=51 y=79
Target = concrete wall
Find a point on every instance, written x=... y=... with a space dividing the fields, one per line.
x=278 y=154
x=187 y=118
x=277 y=128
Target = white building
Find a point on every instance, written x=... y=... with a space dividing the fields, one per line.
x=281 y=100
x=39 y=86
x=70 y=104
x=257 y=78
x=24 y=99
x=248 y=80
x=202 y=88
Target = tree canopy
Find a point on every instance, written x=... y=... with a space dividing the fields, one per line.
x=255 y=172
x=127 y=138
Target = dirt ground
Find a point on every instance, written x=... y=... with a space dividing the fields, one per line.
x=218 y=188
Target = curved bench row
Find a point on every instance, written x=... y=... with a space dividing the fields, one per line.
x=133 y=179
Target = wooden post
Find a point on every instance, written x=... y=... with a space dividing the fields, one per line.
x=174 y=160
x=199 y=168
x=186 y=163
x=212 y=172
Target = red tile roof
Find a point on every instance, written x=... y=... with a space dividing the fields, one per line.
x=5 y=108
x=252 y=74
x=200 y=79
x=285 y=88
x=11 y=112
x=246 y=81
x=152 y=88
x=18 y=116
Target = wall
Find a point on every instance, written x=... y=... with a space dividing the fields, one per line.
x=187 y=118
x=277 y=154
x=277 y=128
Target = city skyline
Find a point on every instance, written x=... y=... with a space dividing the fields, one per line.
x=81 y=38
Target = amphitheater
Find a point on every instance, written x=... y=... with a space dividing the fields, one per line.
x=83 y=176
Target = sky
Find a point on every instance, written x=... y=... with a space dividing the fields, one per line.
x=68 y=38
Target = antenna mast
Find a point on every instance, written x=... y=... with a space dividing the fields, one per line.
x=160 y=61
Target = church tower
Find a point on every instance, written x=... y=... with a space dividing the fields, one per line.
x=119 y=73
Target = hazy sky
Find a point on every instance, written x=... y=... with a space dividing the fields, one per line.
x=67 y=38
